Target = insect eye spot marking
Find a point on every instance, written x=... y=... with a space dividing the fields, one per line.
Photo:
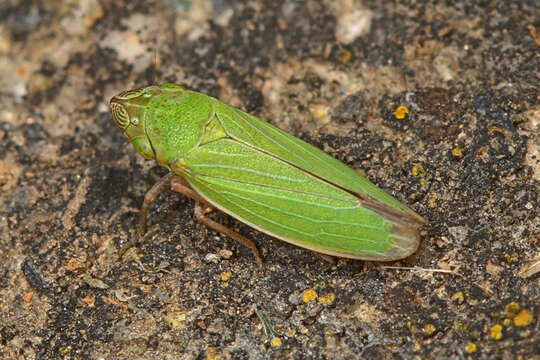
x=120 y=115
x=130 y=94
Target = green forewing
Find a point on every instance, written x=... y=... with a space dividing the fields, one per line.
x=280 y=199
x=294 y=191
x=247 y=128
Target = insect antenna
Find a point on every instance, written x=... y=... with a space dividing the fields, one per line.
x=154 y=67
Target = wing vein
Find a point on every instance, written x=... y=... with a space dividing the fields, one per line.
x=294 y=229
x=253 y=171
x=357 y=204
x=255 y=128
x=318 y=221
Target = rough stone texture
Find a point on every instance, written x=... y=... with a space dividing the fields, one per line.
x=331 y=72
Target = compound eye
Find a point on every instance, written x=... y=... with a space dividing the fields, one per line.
x=120 y=115
x=130 y=94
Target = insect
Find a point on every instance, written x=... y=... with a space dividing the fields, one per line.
x=226 y=159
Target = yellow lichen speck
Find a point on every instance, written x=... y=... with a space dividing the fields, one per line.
x=523 y=318
x=457 y=151
x=429 y=329
x=511 y=309
x=401 y=112
x=225 y=276
x=496 y=332
x=309 y=295
x=327 y=299
x=275 y=342
x=471 y=348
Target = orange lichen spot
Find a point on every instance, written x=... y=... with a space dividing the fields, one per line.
x=275 y=342
x=523 y=318
x=309 y=295
x=28 y=296
x=471 y=348
x=225 y=276
x=457 y=151
x=90 y=300
x=112 y=301
x=500 y=130
x=417 y=346
x=21 y=71
x=327 y=299
x=72 y=264
x=496 y=332
x=401 y=112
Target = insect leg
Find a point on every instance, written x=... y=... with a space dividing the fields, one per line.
x=180 y=185
x=329 y=259
x=200 y=213
x=149 y=197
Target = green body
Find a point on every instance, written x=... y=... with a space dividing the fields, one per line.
x=265 y=177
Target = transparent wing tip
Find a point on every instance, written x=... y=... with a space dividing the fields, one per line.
x=406 y=241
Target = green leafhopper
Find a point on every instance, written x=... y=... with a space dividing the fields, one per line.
x=226 y=159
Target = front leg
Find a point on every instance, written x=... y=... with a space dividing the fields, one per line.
x=179 y=184
x=156 y=189
x=152 y=193
x=176 y=183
